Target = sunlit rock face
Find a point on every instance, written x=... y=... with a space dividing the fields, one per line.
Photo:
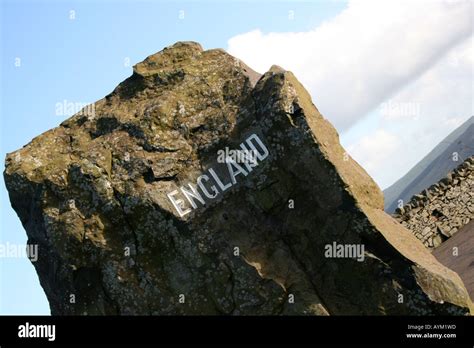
x=136 y=211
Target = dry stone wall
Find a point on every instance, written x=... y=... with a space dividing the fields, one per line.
x=441 y=210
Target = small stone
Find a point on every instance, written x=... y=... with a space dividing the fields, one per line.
x=437 y=241
x=443 y=231
x=430 y=242
x=426 y=231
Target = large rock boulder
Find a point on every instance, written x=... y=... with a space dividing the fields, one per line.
x=136 y=211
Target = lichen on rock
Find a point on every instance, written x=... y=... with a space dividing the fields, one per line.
x=93 y=194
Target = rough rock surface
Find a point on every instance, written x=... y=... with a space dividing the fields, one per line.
x=93 y=193
x=438 y=212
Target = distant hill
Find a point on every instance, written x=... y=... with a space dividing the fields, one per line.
x=433 y=166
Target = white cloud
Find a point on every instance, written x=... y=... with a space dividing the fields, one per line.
x=443 y=94
x=373 y=149
x=446 y=89
x=367 y=53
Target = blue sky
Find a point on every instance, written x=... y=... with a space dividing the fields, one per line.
x=394 y=77
x=83 y=59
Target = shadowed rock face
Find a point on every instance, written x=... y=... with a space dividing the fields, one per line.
x=106 y=196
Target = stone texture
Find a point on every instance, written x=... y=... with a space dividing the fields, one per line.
x=439 y=212
x=93 y=193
